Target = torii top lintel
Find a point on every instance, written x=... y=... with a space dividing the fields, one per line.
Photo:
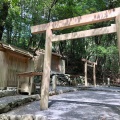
x=77 y=21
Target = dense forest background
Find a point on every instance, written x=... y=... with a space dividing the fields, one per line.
x=17 y=16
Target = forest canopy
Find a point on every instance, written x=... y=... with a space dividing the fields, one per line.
x=17 y=16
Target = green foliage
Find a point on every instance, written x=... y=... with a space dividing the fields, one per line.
x=101 y=51
x=23 y=14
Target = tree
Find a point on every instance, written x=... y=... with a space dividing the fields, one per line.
x=4 y=6
x=20 y=15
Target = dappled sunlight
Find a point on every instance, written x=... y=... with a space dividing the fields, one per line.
x=81 y=104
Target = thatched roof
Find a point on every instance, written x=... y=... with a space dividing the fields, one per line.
x=16 y=50
x=41 y=51
x=10 y=48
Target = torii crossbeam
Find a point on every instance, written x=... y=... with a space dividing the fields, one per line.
x=69 y=23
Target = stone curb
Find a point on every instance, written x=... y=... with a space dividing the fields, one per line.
x=9 y=106
x=23 y=117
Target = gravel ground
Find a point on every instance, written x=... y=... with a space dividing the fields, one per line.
x=62 y=88
x=80 y=105
x=9 y=99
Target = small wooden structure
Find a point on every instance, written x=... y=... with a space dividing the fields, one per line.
x=13 y=60
x=112 y=14
x=90 y=64
x=29 y=75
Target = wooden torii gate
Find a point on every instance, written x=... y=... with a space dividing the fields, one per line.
x=68 y=23
x=90 y=64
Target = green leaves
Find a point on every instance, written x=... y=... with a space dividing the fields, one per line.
x=23 y=14
x=101 y=51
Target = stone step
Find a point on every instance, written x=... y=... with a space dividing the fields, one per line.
x=10 y=102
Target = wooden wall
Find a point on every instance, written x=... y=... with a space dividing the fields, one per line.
x=62 y=66
x=38 y=62
x=12 y=64
x=3 y=70
x=57 y=64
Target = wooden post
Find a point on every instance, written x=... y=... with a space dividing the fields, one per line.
x=18 y=84
x=94 y=75
x=86 y=73
x=118 y=34
x=108 y=82
x=54 y=81
x=46 y=71
x=30 y=86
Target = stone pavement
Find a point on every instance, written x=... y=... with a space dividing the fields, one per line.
x=89 y=104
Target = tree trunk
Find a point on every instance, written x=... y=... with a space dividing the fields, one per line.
x=1 y=31
x=3 y=16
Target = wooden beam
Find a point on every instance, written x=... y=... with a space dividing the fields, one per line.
x=30 y=74
x=46 y=72
x=118 y=34
x=85 y=60
x=86 y=33
x=90 y=65
x=77 y=21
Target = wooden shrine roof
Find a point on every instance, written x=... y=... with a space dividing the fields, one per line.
x=10 y=48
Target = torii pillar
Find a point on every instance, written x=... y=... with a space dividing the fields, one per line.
x=118 y=34
x=46 y=71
